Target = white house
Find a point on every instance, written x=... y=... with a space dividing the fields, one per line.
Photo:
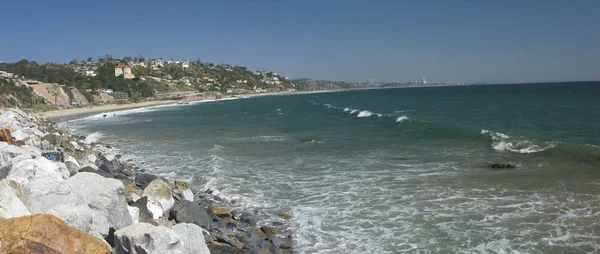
x=185 y=64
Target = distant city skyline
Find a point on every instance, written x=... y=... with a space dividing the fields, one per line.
x=446 y=41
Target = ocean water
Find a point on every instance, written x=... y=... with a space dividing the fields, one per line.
x=390 y=170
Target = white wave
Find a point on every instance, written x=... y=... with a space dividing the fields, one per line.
x=401 y=118
x=364 y=113
x=379 y=115
x=354 y=111
x=93 y=137
x=503 y=142
x=347 y=109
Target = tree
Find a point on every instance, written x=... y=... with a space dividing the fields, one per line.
x=74 y=61
x=89 y=59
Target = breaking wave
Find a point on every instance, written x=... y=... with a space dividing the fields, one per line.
x=401 y=118
x=365 y=113
x=503 y=142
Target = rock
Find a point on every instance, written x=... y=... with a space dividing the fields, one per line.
x=45 y=145
x=97 y=143
x=143 y=179
x=159 y=191
x=45 y=233
x=279 y=243
x=183 y=190
x=40 y=174
x=10 y=204
x=71 y=146
x=109 y=156
x=220 y=212
x=248 y=218
x=90 y=169
x=285 y=216
x=188 y=212
x=53 y=155
x=6 y=136
x=269 y=231
x=192 y=238
x=135 y=213
x=80 y=217
x=107 y=167
x=501 y=165
x=132 y=193
x=149 y=210
x=142 y=238
x=73 y=167
x=54 y=139
x=216 y=249
x=20 y=143
x=103 y=196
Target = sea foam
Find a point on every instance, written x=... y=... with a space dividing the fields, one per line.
x=365 y=113
x=503 y=142
x=401 y=118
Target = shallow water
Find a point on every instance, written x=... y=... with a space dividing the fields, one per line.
x=393 y=170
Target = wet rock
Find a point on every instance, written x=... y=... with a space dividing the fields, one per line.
x=107 y=167
x=146 y=238
x=45 y=233
x=216 y=249
x=248 y=218
x=285 y=216
x=279 y=243
x=143 y=179
x=183 y=191
x=501 y=165
x=188 y=212
x=220 y=212
x=269 y=231
x=160 y=192
x=192 y=237
x=90 y=169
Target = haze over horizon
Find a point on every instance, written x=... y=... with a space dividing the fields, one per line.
x=457 y=41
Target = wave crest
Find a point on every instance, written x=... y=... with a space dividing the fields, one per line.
x=401 y=118
x=365 y=113
x=503 y=142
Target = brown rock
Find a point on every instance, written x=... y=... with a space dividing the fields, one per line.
x=132 y=192
x=6 y=136
x=501 y=165
x=269 y=231
x=221 y=212
x=45 y=233
x=20 y=143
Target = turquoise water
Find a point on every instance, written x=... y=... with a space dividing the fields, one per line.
x=391 y=170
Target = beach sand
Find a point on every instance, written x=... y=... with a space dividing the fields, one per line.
x=74 y=113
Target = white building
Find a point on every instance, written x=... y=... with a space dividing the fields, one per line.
x=423 y=81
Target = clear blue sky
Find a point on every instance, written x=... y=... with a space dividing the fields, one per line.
x=456 y=40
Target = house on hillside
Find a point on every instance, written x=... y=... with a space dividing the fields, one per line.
x=125 y=70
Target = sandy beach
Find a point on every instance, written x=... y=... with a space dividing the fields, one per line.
x=73 y=113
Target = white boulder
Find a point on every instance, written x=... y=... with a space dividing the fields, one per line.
x=135 y=213
x=80 y=216
x=160 y=192
x=192 y=238
x=103 y=196
x=10 y=204
x=144 y=238
x=40 y=174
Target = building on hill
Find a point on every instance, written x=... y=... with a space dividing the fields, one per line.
x=125 y=70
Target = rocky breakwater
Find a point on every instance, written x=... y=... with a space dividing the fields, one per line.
x=99 y=204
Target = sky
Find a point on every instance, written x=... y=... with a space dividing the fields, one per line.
x=446 y=41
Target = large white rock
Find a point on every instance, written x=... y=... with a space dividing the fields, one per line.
x=135 y=213
x=72 y=164
x=160 y=192
x=40 y=174
x=104 y=197
x=80 y=216
x=143 y=238
x=10 y=204
x=192 y=238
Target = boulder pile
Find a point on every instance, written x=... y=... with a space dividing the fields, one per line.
x=61 y=194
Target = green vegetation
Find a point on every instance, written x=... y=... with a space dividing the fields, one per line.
x=13 y=95
x=311 y=85
x=44 y=107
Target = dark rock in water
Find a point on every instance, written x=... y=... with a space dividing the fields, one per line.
x=107 y=167
x=118 y=156
x=216 y=249
x=311 y=141
x=188 y=212
x=269 y=231
x=279 y=243
x=143 y=179
x=248 y=218
x=501 y=165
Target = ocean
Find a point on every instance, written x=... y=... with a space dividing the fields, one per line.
x=389 y=170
